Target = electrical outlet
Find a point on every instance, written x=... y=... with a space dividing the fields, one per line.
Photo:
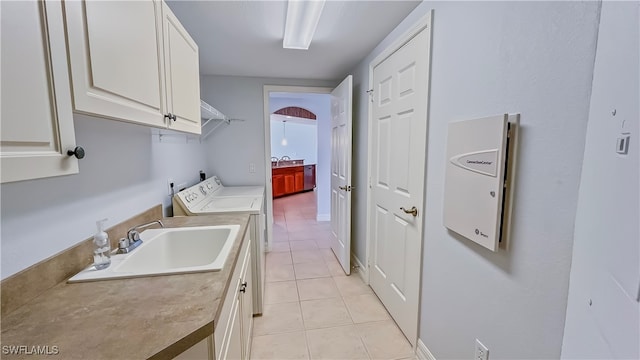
x=252 y=168
x=169 y=182
x=482 y=353
x=179 y=187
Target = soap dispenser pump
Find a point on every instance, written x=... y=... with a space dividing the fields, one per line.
x=102 y=247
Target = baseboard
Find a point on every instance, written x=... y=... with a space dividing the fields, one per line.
x=423 y=353
x=323 y=217
x=363 y=271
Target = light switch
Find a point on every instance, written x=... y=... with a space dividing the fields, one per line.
x=622 y=145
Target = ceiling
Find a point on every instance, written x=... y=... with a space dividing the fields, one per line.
x=244 y=38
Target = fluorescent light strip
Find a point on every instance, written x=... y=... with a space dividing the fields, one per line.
x=302 y=20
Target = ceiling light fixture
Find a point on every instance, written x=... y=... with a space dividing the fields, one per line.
x=302 y=20
x=284 y=134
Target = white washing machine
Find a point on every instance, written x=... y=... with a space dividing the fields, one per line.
x=211 y=197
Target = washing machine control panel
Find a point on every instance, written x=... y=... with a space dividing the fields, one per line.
x=194 y=196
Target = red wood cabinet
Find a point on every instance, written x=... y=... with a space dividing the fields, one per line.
x=293 y=179
x=289 y=183
x=298 y=181
x=278 y=185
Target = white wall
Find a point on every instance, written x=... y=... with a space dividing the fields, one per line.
x=302 y=141
x=231 y=149
x=533 y=58
x=603 y=317
x=124 y=173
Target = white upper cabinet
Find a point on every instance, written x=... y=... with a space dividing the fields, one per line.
x=182 y=75
x=115 y=51
x=127 y=63
x=37 y=122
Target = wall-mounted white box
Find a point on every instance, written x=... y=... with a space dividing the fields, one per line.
x=479 y=172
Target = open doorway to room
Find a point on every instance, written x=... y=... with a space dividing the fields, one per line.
x=298 y=150
x=294 y=150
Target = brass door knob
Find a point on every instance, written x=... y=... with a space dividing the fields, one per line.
x=413 y=211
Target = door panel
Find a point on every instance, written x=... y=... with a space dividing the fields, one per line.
x=399 y=134
x=299 y=181
x=341 y=139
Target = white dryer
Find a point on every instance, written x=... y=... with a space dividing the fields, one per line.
x=222 y=190
x=211 y=197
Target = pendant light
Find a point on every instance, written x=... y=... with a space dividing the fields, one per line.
x=284 y=133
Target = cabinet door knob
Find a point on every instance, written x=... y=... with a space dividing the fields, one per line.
x=78 y=152
x=243 y=288
x=170 y=116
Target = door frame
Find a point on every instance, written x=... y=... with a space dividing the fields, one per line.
x=268 y=190
x=424 y=23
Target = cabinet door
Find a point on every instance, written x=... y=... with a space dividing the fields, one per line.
x=233 y=344
x=299 y=180
x=37 y=122
x=246 y=307
x=116 y=59
x=278 y=185
x=182 y=74
x=289 y=183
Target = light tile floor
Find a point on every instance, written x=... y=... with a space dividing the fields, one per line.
x=312 y=310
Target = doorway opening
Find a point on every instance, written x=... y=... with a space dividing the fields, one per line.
x=297 y=156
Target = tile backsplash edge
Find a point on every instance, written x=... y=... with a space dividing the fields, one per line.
x=29 y=283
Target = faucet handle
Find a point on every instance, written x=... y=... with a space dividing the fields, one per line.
x=123 y=243
x=133 y=236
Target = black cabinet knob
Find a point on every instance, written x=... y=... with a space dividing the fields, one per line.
x=78 y=152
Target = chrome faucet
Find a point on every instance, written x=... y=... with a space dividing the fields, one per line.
x=132 y=241
x=285 y=157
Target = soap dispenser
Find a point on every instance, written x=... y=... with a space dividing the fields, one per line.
x=102 y=247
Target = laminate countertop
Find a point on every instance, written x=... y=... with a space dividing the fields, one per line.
x=149 y=317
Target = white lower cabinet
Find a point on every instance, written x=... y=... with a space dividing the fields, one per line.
x=37 y=122
x=232 y=336
x=200 y=351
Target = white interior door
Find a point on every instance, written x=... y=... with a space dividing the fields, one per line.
x=341 y=99
x=399 y=137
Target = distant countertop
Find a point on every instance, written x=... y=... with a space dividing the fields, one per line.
x=149 y=317
x=289 y=166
